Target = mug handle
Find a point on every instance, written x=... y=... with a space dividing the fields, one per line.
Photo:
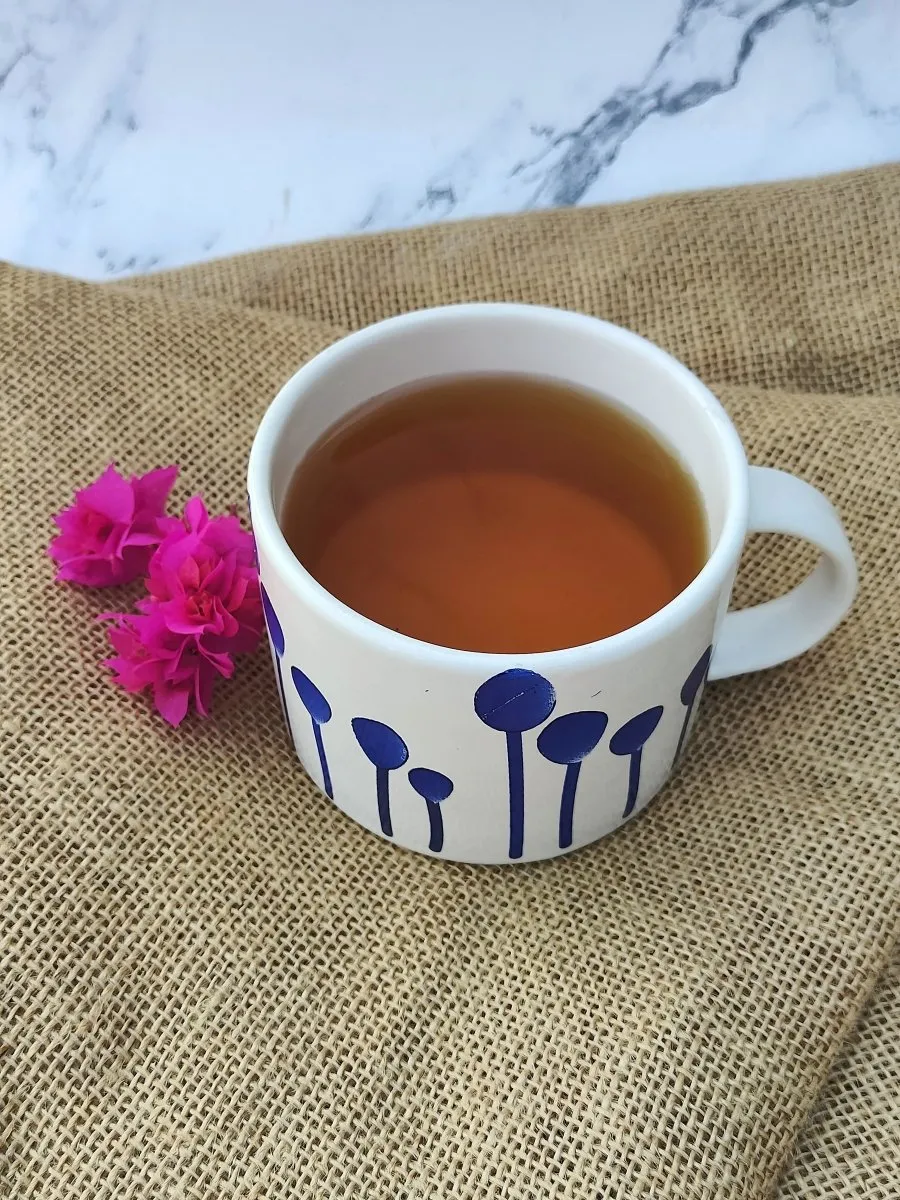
x=752 y=639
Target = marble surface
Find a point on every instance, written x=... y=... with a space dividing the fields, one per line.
x=141 y=134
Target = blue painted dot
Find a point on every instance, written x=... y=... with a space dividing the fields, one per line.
x=276 y=633
x=313 y=700
x=515 y=700
x=379 y=743
x=431 y=785
x=631 y=736
x=571 y=737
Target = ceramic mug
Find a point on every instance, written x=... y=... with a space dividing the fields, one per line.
x=492 y=758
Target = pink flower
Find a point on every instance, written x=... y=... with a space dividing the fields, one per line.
x=203 y=606
x=171 y=666
x=108 y=535
x=203 y=579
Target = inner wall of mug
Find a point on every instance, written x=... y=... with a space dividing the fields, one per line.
x=516 y=339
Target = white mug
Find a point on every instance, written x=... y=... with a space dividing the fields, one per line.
x=493 y=758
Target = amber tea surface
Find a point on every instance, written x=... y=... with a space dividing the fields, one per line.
x=497 y=513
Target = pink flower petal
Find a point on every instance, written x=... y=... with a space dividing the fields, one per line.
x=171 y=702
x=110 y=495
x=110 y=531
x=151 y=491
x=221 y=662
x=202 y=695
x=188 y=574
x=136 y=538
x=179 y=620
x=195 y=514
x=69 y=521
x=91 y=572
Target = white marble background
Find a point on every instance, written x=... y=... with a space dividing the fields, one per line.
x=141 y=134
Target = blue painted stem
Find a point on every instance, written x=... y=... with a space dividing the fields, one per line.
x=384 y=801
x=436 y=826
x=567 y=804
x=323 y=761
x=516 y=794
x=634 y=781
x=684 y=729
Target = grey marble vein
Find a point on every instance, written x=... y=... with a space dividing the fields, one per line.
x=703 y=57
x=577 y=156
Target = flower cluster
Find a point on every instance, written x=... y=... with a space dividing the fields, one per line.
x=202 y=605
x=108 y=535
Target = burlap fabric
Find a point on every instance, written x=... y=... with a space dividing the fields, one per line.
x=216 y=986
x=851 y=1145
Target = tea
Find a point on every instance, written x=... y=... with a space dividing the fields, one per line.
x=499 y=513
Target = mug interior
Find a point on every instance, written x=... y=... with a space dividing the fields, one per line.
x=589 y=353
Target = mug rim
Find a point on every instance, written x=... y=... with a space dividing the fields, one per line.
x=666 y=620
